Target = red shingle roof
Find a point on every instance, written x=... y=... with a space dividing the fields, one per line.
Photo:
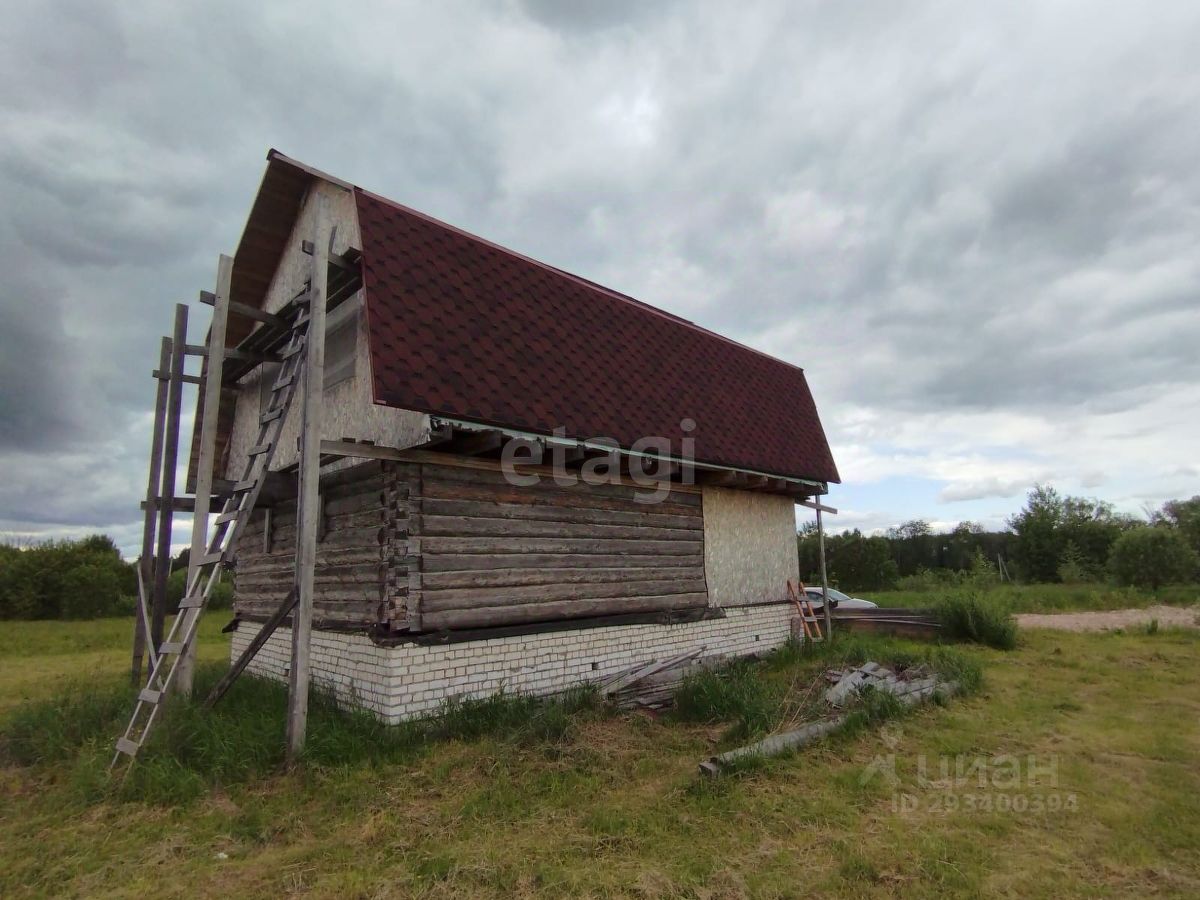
x=464 y=329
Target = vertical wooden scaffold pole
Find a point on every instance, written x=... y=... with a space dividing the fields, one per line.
x=162 y=568
x=214 y=364
x=824 y=579
x=141 y=628
x=308 y=502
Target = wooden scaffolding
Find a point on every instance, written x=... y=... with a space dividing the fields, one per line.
x=294 y=338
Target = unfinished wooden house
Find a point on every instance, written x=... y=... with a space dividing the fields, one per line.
x=526 y=480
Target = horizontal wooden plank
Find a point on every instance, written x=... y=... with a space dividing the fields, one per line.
x=518 y=577
x=646 y=516
x=561 y=609
x=325 y=614
x=464 y=562
x=492 y=545
x=464 y=526
x=476 y=597
x=603 y=496
x=545 y=482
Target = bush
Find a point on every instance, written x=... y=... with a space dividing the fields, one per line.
x=1152 y=556
x=969 y=617
x=65 y=580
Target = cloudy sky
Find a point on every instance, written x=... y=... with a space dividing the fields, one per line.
x=977 y=229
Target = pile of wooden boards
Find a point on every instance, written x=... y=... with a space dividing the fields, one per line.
x=911 y=623
x=652 y=684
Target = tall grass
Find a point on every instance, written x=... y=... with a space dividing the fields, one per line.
x=242 y=738
x=755 y=698
x=969 y=616
x=1022 y=598
x=734 y=693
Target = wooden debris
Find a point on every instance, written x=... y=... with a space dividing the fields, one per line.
x=910 y=687
x=652 y=685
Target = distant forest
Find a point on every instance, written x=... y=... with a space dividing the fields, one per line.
x=1054 y=538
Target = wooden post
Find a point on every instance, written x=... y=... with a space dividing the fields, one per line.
x=170 y=461
x=824 y=579
x=308 y=505
x=146 y=560
x=214 y=364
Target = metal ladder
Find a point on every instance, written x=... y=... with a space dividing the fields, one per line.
x=228 y=524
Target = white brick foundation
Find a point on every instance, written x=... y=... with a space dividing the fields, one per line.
x=407 y=680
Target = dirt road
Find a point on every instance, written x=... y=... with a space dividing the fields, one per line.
x=1107 y=620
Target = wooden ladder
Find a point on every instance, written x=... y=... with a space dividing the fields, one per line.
x=235 y=513
x=804 y=608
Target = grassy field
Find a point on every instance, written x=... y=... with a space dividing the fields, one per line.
x=591 y=804
x=1046 y=598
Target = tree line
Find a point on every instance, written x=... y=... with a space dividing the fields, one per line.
x=1054 y=538
x=80 y=579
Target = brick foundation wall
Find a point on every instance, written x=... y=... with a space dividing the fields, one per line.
x=408 y=680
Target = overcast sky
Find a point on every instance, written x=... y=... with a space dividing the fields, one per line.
x=976 y=229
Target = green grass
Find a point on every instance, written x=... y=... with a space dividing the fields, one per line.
x=786 y=688
x=1044 y=598
x=612 y=806
x=976 y=617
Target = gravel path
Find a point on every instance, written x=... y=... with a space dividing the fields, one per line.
x=1179 y=616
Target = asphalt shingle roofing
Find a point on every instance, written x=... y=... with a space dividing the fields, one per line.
x=462 y=328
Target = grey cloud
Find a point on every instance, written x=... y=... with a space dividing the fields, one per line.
x=895 y=196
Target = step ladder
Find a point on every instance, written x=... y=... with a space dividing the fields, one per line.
x=804 y=608
x=228 y=524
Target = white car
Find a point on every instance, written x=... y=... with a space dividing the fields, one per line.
x=837 y=600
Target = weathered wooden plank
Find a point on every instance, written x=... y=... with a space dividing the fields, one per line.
x=497 y=477
x=365 y=575
x=644 y=516
x=562 y=609
x=475 y=598
x=330 y=556
x=309 y=484
x=464 y=526
x=325 y=614
x=463 y=562
x=437 y=581
x=494 y=545
x=210 y=408
x=600 y=496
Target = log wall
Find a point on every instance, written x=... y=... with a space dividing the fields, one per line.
x=492 y=553
x=425 y=547
x=361 y=548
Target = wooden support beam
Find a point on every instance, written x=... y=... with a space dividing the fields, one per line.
x=308 y=506
x=243 y=309
x=824 y=579
x=818 y=506
x=234 y=353
x=150 y=505
x=165 y=375
x=180 y=504
x=169 y=464
x=208 y=454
